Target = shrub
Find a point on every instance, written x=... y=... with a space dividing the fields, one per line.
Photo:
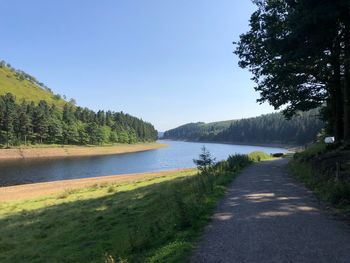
x=238 y=161
x=335 y=192
x=311 y=151
x=205 y=161
x=258 y=156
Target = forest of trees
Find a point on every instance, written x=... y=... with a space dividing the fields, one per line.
x=299 y=55
x=197 y=131
x=30 y=123
x=269 y=128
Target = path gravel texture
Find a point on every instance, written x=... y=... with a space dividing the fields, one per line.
x=267 y=216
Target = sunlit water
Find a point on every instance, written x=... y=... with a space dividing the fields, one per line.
x=177 y=155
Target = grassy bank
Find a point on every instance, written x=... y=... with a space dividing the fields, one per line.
x=153 y=220
x=324 y=171
x=44 y=189
x=25 y=89
x=45 y=151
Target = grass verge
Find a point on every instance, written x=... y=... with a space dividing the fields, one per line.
x=308 y=168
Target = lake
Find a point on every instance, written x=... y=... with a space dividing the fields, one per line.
x=177 y=155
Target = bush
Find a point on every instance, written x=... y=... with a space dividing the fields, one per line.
x=205 y=161
x=311 y=151
x=335 y=192
x=258 y=156
x=238 y=161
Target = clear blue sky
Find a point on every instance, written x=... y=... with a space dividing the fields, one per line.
x=168 y=62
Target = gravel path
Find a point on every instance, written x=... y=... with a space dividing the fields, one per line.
x=267 y=216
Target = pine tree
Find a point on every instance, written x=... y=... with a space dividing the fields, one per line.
x=9 y=110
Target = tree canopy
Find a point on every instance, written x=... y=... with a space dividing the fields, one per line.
x=27 y=122
x=268 y=128
x=298 y=52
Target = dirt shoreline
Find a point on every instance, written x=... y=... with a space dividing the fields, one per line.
x=32 y=191
x=76 y=151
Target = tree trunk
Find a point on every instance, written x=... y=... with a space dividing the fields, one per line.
x=336 y=94
x=347 y=77
x=339 y=113
x=347 y=108
x=7 y=138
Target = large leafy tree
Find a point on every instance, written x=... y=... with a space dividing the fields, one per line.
x=297 y=53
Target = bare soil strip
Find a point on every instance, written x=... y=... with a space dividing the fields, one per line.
x=70 y=151
x=31 y=191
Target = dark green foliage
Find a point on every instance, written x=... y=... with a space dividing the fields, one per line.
x=8 y=113
x=299 y=54
x=270 y=128
x=205 y=161
x=26 y=123
x=233 y=163
x=317 y=168
x=195 y=131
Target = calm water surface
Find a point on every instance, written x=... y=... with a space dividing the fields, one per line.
x=177 y=155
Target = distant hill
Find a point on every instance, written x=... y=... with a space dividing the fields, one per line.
x=25 y=86
x=197 y=131
x=269 y=128
x=30 y=113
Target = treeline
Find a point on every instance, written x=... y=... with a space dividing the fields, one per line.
x=299 y=55
x=269 y=128
x=197 y=131
x=30 y=123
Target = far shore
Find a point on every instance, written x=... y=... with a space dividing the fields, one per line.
x=74 y=151
x=32 y=191
x=288 y=147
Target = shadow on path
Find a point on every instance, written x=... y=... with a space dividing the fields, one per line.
x=267 y=216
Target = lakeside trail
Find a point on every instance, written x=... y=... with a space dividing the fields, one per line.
x=266 y=216
x=32 y=191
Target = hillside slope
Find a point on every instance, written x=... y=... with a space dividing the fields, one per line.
x=24 y=86
x=30 y=113
x=197 y=131
x=269 y=128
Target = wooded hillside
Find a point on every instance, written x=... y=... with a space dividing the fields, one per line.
x=269 y=128
x=34 y=114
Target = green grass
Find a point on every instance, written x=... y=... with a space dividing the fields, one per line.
x=25 y=89
x=258 y=156
x=306 y=167
x=334 y=192
x=312 y=151
x=155 y=220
